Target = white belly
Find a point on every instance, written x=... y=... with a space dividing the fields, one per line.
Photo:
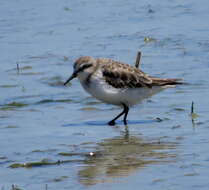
x=130 y=96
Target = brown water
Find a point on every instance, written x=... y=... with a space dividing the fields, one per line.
x=56 y=137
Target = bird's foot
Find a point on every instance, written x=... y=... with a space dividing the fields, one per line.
x=111 y=123
x=125 y=122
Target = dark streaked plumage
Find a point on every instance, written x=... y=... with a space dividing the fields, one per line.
x=121 y=75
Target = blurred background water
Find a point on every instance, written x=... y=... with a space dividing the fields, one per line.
x=62 y=130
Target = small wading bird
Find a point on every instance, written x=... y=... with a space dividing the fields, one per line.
x=117 y=83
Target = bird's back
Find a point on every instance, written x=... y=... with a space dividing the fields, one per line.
x=121 y=75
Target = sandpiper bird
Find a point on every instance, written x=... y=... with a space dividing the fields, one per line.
x=117 y=83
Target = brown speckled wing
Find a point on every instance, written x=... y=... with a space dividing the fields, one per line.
x=121 y=75
x=165 y=81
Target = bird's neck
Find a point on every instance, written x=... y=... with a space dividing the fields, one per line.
x=85 y=77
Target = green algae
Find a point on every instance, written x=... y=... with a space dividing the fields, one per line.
x=79 y=153
x=8 y=86
x=69 y=154
x=179 y=109
x=16 y=104
x=15 y=187
x=149 y=39
x=67 y=9
x=12 y=105
x=47 y=150
x=89 y=109
x=44 y=162
x=59 y=179
x=26 y=68
x=3 y=157
x=45 y=101
x=11 y=126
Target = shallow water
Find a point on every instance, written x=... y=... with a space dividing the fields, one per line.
x=57 y=137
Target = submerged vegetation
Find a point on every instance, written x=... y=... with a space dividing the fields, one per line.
x=44 y=162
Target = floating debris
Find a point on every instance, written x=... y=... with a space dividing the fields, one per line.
x=193 y=114
x=46 y=101
x=159 y=119
x=179 y=109
x=3 y=157
x=92 y=103
x=138 y=57
x=18 y=69
x=47 y=150
x=176 y=126
x=11 y=126
x=15 y=104
x=55 y=81
x=149 y=39
x=150 y=10
x=158 y=180
x=33 y=73
x=66 y=8
x=8 y=86
x=71 y=154
x=15 y=187
x=26 y=67
x=89 y=109
x=91 y=153
x=59 y=179
x=22 y=68
x=98 y=153
x=23 y=89
x=191 y=174
x=192 y=108
x=65 y=58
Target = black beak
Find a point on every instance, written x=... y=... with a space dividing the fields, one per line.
x=74 y=75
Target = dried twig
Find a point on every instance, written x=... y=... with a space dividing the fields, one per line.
x=193 y=115
x=192 y=108
x=18 y=68
x=137 y=63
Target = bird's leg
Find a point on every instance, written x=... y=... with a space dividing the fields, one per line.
x=112 y=122
x=125 y=111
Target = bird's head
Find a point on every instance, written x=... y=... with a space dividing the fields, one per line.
x=83 y=66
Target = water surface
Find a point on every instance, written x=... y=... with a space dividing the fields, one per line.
x=56 y=137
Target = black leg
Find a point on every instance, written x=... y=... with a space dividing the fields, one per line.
x=112 y=122
x=125 y=111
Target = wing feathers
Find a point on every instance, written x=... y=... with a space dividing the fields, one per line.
x=162 y=82
x=121 y=75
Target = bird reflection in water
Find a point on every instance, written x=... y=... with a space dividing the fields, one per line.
x=123 y=155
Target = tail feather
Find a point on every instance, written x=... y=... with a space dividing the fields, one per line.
x=162 y=82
